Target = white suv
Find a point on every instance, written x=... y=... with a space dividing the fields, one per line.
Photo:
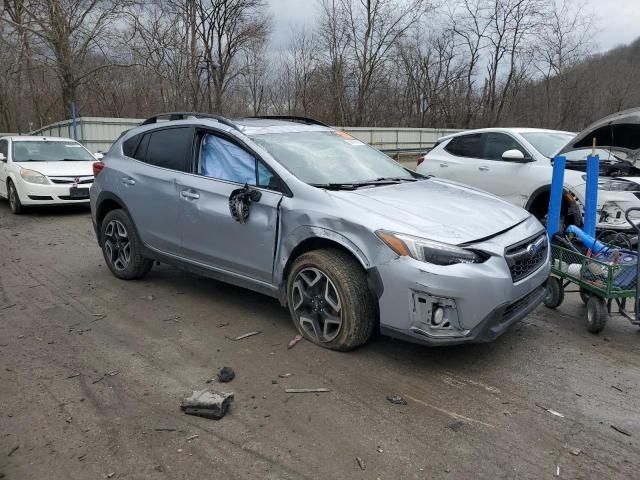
x=515 y=164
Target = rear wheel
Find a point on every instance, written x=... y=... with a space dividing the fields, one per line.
x=14 y=199
x=122 y=248
x=330 y=301
x=597 y=314
x=555 y=293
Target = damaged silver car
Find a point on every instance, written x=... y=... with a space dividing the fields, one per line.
x=349 y=240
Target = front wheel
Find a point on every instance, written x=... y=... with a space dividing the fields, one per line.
x=597 y=314
x=14 y=199
x=121 y=247
x=330 y=301
x=555 y=293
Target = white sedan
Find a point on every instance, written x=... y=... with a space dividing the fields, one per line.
x=44 y=171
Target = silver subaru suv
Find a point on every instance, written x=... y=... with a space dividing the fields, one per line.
x=347 y=239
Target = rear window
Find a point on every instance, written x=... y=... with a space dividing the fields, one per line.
x=465 y=146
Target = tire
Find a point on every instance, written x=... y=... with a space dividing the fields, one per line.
x=597 y=314
x=585 y=295
x=555 y=293
x=318 y=282
x=121 y=247
x=14 y=199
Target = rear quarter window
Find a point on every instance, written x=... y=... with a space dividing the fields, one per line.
x=465 y=146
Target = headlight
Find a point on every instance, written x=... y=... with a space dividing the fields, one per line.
x=614 y=185
x=429 y=251
x=31 y=176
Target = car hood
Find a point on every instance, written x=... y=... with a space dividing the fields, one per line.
x=617 y=132
x=53 y=169
x=440 y=210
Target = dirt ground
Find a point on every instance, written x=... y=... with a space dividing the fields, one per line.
x=92 y=371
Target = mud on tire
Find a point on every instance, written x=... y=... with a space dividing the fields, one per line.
x=330 y=301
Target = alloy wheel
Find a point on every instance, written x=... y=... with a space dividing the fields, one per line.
x=117 y=245
x=317 y=305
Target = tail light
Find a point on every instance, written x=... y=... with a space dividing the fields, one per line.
x=419 y=160
x=97 y=168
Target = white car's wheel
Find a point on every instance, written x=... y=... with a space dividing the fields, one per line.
x=14 y=199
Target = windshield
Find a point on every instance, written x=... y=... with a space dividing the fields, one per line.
x=548 y=143
x=329 y=157
x=47 y=151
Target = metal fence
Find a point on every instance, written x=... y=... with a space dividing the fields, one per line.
x=98 y=133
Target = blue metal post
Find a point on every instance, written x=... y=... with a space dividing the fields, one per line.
x=555 y=200
x=74 y=122
x=591 y=195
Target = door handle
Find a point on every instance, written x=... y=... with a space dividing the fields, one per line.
x=189 y=194
x=128 y=181
x=444 y=165
x=483 y=168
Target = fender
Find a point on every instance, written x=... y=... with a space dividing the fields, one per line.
x=307 y=232
x=535 y=194
x=102 y=197
x=567 y=193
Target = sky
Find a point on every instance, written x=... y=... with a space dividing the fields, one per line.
x=617 y=21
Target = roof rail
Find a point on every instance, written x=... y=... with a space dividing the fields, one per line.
x=172 y=116
x=293 y=118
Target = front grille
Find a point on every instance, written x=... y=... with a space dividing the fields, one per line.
x=71 y=180
x=40 y=197
x=526 y=257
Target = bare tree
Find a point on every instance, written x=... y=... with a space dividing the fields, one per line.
x=432 y=73
x=335 y=38
x=565 y=40
x=469 y=22
x=225 y=29
x=70 y=33
x=375 y=27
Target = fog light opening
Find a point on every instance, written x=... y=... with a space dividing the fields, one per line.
x=438 y=318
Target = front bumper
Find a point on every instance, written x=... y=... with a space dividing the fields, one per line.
x=35 y=194
x=480 y=301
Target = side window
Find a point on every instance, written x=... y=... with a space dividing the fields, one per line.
x=266 y=178
x=129 y=146
x=4 y=148
x=141 y=148
x=224 y=160
x=169 y=148
x=466 y=146
x=496 y=144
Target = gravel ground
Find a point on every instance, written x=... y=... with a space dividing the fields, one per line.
x=93 y=370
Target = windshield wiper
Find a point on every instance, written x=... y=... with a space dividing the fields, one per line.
x=336 y=186
x=393 y=180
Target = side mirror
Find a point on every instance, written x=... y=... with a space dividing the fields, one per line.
x=514 y=155
x=2 y=157
x=98 y=156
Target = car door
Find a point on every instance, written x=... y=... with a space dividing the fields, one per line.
x=4 y=164
x=212 y=234
x=461 y=161
x=148 y=186
x=505 y=178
